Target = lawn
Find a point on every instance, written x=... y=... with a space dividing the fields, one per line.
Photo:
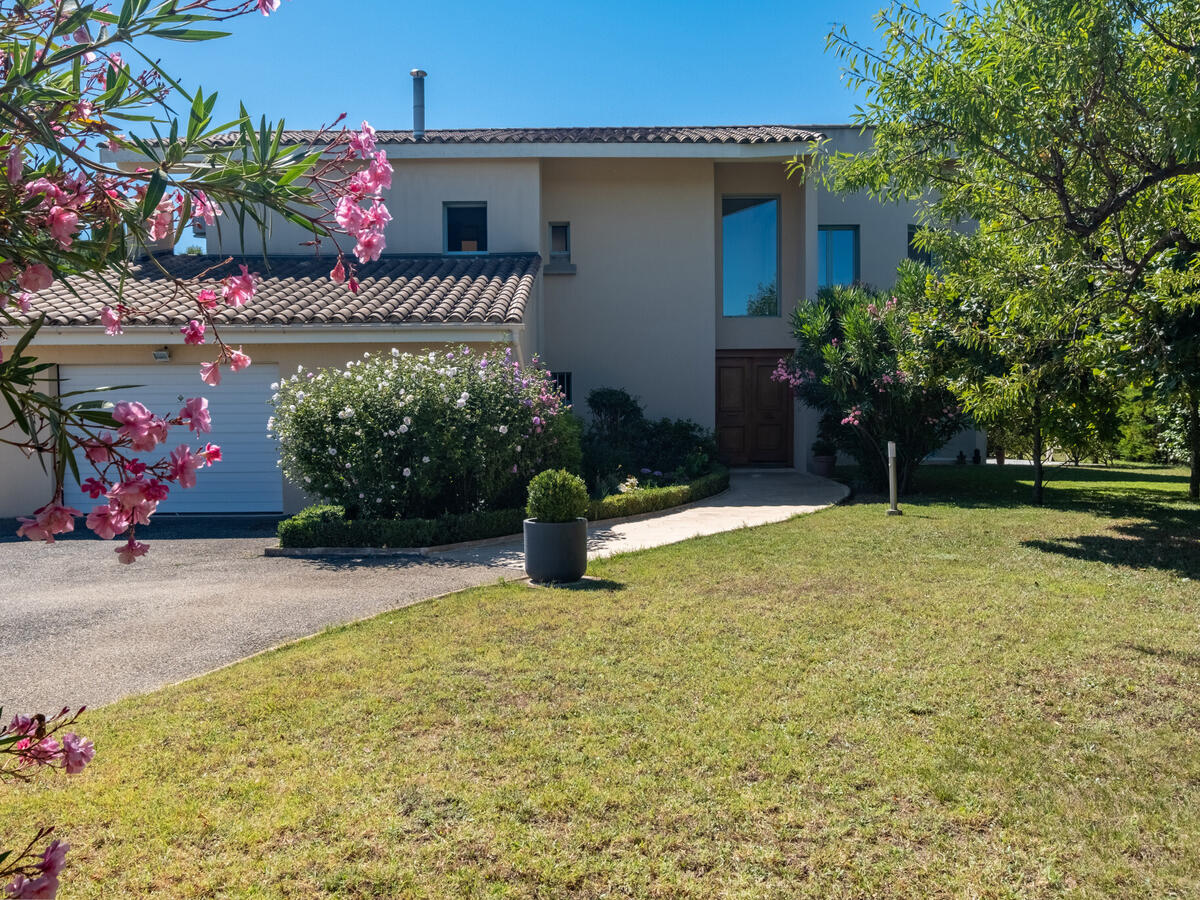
x=979 y=699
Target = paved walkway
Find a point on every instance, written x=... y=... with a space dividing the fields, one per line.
x=76 y=627
x=755 y=497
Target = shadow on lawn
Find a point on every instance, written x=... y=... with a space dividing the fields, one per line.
x=1183 y=657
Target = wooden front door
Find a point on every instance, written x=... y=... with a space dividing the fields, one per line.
x=754 y=413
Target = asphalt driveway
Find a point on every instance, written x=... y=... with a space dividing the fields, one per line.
x=76 y=627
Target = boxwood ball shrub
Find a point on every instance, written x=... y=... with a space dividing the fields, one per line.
x=402 y=435
x=557 y=496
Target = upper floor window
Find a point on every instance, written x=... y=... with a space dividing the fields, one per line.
x=750 y=256
x=560 y=242
x=915 y=252
x=466 y=227
x=837 y=255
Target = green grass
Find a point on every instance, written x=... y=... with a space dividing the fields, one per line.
x=979 y=699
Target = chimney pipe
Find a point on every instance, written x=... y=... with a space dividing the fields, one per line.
x=418 y=76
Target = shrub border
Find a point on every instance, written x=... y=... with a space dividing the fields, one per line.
x=323 y=527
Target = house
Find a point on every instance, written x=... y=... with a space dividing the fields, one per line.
x=660 y=260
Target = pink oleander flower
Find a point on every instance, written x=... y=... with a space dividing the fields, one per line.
x=36 y=277
x=108 y=521
x=144 y=429
x=266 y=7
x=238 y=360
x=363 y=142
x=15 y=164
x=34 y=752
x=44 y=887
x=93 y=487
x=195 y=413
x=111 y=320
x=239 y=290
x=210 y=373
x=160 y=224
x=21 y=725
x=129 y=552
x=210 y=454
x=193 y=332
x=203 y=208
x=207 y=298
x=369 y=247
x=100 y=451
x=63 y=224
x=377 y=216
x=49 y=520
x=381 y=172
x=77 y=753
x=338 y=274
x=183 y=465
x=352 y=284
x=348 y=215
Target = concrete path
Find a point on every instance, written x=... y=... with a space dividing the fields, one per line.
x=755 y=497
x=77 y=628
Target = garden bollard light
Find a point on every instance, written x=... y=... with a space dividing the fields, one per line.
x=893 y=510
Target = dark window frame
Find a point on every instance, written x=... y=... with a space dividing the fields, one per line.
x=778 y=200
x=463 y=204
x=857 y=232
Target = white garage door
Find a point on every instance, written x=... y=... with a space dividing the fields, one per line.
x=246 y=479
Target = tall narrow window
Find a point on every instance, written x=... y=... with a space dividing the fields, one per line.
x=750 y=256
x=837 y=254
x=915 y=252
x=466 y=227
x=560 y=242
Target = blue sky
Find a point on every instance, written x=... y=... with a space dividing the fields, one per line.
x=533 y=63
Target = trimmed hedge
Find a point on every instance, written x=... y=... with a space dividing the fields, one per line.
x=646 y=500
x=327 y=526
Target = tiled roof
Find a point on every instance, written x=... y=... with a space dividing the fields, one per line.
x=297 y=291
x=702 y=134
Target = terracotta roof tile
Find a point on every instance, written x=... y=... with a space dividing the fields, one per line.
x=297 y=291
x=701 y=134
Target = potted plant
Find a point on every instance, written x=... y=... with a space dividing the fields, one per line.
x=556 y=530
x=824 y=457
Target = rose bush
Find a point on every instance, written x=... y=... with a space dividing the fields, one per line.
x=405 y=435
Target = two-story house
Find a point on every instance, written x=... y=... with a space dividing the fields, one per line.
x=661 y=260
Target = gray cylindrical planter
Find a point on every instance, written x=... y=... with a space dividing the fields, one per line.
x=555 y=551
x=823 y=465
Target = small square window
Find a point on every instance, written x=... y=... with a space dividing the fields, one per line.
x=563 y=380
x=466 y=227
x=560 y=242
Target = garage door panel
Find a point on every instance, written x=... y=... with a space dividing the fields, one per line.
x=246 y=480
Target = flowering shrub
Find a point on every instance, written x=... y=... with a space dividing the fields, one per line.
x=418 y=436
x=847 y=365
x=65 y=92
x=29 y=745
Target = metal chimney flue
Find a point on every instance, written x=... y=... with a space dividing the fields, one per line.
x=418 y=76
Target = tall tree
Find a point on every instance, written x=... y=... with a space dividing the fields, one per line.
x=1068 y=131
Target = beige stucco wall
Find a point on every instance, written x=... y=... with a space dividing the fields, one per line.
x=638 y=312
x=510 y=187
x=883 y=227
x=23 y=485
